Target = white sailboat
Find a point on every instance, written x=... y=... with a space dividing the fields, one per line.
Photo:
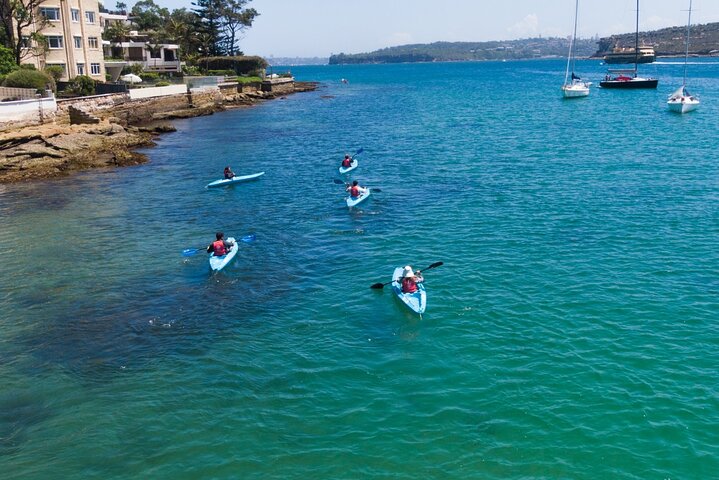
x=576 y=87
x=681 y=101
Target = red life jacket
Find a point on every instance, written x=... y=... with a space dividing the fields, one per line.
x=409 y=285
x=354 y=191
x=346 y=162
x=218 y=247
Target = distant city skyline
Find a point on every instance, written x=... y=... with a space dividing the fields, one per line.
x=318 y=28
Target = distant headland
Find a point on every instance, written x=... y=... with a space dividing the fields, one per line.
x=667 y=42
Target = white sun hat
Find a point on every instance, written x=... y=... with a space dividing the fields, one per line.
x=407 y=272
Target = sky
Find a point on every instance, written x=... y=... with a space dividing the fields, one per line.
x=309 y=28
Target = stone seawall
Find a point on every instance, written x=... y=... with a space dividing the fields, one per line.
x=48 y=150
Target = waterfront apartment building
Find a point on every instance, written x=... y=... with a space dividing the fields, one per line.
x=74 y=39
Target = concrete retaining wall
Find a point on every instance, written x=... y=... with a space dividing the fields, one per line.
x=138 y=93
x=28 y=111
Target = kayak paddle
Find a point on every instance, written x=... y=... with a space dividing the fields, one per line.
x=434 y=265
x=188 y=252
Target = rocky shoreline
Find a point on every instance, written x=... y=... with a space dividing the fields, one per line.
x=59 y=148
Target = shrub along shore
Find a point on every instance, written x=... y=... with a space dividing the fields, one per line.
x=59 y=148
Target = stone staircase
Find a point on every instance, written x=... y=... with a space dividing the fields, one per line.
x=78 y=116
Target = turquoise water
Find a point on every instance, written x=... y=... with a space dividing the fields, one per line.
x=571 y=332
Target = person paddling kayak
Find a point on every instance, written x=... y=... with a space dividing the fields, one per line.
x=355 y=190
x=347 y=162
x=219 y=247
x=229 y=174
x=410 y=279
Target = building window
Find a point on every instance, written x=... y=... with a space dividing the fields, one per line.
x=155 y=52
x=54 y=42
x=78 y=42
x=81 y=68
x=90 y=17
x=92 y=42
x=75 y=14
x=25 y=41
x=95 y=68
x=52 y=14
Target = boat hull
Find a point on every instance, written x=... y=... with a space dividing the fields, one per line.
x=231 y=181
x=626 y=58
x=679 y=106
x=352 y=166
x=218 y=263
x=352 y=201
x=417 y=302
x=575 y=91
x=634 y=83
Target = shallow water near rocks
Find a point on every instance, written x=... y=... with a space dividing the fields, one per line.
x=570 y=333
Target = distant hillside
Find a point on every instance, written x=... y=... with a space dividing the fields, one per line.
x=296 y=61
x=666 y=42
x=468 y=51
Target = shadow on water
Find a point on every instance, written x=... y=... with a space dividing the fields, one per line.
x=19 y=411
x=96 y=338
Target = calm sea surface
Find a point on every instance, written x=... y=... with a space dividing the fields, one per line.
x=572 y=332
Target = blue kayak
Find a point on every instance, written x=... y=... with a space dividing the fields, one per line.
x=353 y=201
x=230 y=181
x=354 y=164
x=218 y=263
x=417 y=302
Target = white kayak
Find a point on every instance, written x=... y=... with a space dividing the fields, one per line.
x=352 y=166
x=353 y=201
x=218 y=263
x=229 y=181
x=417 y=302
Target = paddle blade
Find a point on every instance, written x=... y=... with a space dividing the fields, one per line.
x=188 y=252
x=338 y=181
x=358 y=152
x=248 y=238
x=376 y=190
x=435 y=265
x=378 y=285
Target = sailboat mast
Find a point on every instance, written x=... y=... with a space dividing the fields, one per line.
x=686 y=52
x=636 y=43
x=574 y=37
x=572 y=43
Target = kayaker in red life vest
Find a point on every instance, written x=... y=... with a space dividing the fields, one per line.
x=229 y=174
x=219 y=247
x=355 y=190
x=347 y=162
x=410 y=280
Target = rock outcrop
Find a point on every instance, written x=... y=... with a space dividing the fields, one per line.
x=49 y=150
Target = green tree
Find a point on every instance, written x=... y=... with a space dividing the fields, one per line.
x=235 y=20
x=148 y=16
x=7 y=61
x=55 y=71
x=24 y=78
x=209 y=26
x=82 y=85
x=116 y=33
x=180 y=28
x=223 y=21
x=17 y=16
